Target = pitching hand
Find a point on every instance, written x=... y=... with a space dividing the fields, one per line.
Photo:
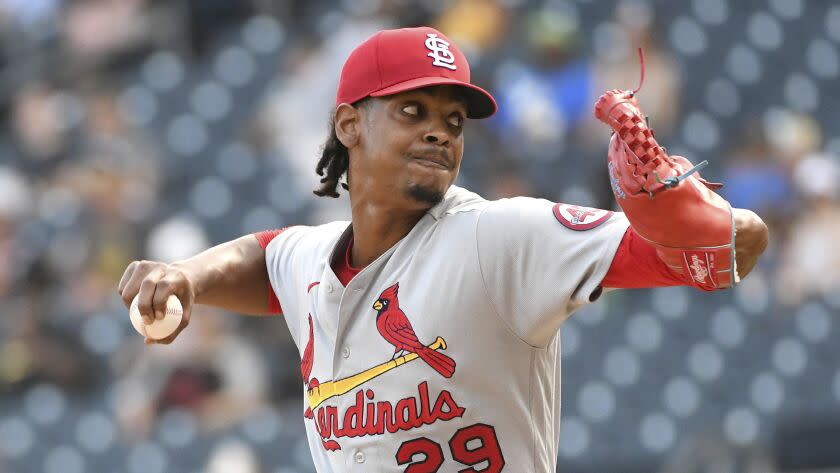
x=155 y=282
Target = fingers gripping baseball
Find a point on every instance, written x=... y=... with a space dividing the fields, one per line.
x=152 y=283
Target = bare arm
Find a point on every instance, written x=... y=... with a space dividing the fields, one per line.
x=751 y=237
x=231 y=276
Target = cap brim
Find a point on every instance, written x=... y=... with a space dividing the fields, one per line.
x=480 y=104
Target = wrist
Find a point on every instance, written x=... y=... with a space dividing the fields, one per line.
x=194 y=275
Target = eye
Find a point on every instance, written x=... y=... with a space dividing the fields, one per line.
x=456 y=120
x=411 y=109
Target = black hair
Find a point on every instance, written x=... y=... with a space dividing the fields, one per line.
x=335 y=160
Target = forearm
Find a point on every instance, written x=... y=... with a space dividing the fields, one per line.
x=231 y=276
x=751 y=238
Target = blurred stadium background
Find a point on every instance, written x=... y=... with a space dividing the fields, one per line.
x=151 y=129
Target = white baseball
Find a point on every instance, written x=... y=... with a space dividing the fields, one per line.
x=158 y=329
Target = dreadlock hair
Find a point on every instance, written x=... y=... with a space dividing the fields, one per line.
x=335 y=159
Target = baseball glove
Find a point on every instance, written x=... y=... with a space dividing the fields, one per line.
x=666 y=200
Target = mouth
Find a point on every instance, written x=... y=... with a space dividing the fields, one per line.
x=377 y=305
x=432 y=160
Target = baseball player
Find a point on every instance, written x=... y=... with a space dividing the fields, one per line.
x=428 y=326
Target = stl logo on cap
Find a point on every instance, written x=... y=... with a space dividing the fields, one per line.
x=440 y=52
x=395 y=61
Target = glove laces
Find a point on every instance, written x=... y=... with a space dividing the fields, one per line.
x=670 y=181
x=642 y=78
x=674 y=181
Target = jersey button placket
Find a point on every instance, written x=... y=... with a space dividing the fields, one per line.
x=359 y=457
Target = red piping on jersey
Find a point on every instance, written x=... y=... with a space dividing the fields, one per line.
x=264 y=238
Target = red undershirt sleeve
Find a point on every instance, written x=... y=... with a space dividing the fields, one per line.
x=636 y=265
x=264 y=238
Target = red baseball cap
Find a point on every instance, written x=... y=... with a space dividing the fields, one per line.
x=393 y=61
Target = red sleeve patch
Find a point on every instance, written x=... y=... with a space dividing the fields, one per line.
x=580 y=218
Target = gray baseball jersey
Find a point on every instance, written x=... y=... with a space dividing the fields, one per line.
x=444 y=353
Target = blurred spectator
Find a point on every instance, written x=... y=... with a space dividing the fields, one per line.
x=754 y=177
x=210 y=17
x=791 y=135
x=28 y=13
x=29 y=352
x=711 y=453
x=618 y=65
x=233 y=457
x=33 y=349
x=475 y=26
x=811 y=257
x=98 y=30
x=212 y=372
x=174 y=239
x=545 y=92
x=507 y=184
x=37 y=123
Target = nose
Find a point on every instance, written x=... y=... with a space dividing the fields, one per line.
x=437 y=137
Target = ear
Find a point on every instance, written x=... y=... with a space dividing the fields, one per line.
x=347 y=124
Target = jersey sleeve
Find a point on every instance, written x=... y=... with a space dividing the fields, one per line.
x=541 y=261
x=636 y=265
x=264 y=238
x=286 y=255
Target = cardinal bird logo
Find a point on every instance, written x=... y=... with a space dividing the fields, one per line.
x=369 y=416
x=394 y=327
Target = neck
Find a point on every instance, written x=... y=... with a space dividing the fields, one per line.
x=376 y=228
